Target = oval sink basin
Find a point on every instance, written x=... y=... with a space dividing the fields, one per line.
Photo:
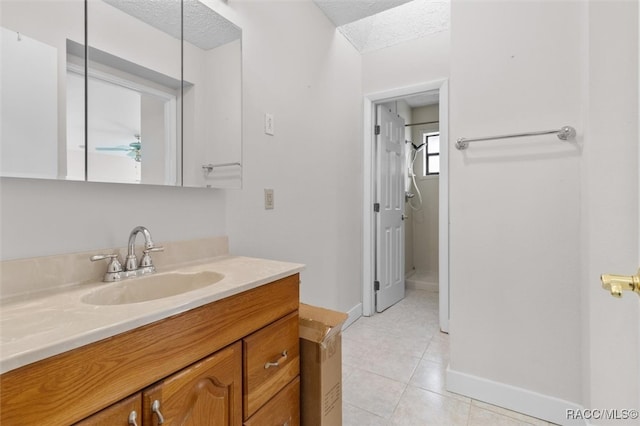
x=151 y=287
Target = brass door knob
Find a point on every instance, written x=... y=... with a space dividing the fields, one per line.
x=616 y=284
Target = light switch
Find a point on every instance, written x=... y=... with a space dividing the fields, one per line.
x=268 y=199
x=269 y=124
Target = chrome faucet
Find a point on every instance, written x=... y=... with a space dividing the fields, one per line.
x=132 y=268
x=146 y=265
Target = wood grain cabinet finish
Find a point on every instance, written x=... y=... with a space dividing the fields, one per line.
x=206 y=393
x=271 y=360
x=193 y=363
x=124 y=413
x=281 y=410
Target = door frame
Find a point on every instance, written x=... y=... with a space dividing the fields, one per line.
x=368 y=219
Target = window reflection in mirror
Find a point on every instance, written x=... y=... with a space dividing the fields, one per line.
x=133 y=90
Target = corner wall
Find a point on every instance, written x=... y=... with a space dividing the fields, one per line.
x=299 y=68
x=515 y=204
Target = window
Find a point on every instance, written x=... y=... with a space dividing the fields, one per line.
x=431 y=159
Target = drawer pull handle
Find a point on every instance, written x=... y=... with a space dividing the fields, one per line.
x=277 y=363
x=132 y=418
x=155 y=408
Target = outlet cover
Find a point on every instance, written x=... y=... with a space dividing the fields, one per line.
x=269 y=124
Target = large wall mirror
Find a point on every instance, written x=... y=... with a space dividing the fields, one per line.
x=148 y=92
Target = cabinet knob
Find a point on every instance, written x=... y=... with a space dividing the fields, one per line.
x=276 y=363
x=155 y=408
x=132 y=418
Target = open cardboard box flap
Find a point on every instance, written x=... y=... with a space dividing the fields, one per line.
x=319 y=324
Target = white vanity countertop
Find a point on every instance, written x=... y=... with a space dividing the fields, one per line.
x=37 y=328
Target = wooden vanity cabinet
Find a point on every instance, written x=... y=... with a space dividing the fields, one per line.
x=124 y=413
x=206 y=393
x=271 y=361
x=194 y=364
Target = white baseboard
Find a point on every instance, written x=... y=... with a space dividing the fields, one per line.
x=354 y=313
x=523 y=401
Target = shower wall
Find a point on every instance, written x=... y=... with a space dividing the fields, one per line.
x=424 y=221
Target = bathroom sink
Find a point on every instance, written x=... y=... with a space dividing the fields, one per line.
x=151 y=287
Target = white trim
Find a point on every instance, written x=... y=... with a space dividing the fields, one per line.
x=171 y=142
x=521 y=400
x=443 y=209
x=354 y=313
x=133 y=85
x=368 y=296
x=368 y=262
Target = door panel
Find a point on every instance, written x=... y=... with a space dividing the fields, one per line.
x=208 y=393
x=390 y=196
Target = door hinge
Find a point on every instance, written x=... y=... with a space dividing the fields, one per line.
x=376 y=207
x=376 y=129
x=376 y=285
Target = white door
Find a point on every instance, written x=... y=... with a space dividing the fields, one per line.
x=390 y=201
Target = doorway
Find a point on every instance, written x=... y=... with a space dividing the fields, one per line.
x=439 y=89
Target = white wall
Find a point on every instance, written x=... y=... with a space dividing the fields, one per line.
x=61 y=21
x=225 y=123
x=413 y=62
x=29 y=96
x=515 y=204
x=45 y=217
x=300 y=69
x=535 y=222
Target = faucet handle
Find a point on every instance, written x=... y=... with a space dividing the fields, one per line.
x=114 y=268
x=146 y=262
x=153 y=249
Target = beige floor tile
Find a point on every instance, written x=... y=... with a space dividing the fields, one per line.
x=371 y=392
x=421 y=407
x=347 y=369
x=381 y=337
x=481 y=417
x=354 y=416
x=430 y=375
x=379 y=360
x=508 y=413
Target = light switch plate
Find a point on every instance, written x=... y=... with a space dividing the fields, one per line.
x=268 y=199
x=269 y=124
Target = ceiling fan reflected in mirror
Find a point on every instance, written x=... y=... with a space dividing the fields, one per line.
x=132 y=150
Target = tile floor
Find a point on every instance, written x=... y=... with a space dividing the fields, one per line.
x=393 y=367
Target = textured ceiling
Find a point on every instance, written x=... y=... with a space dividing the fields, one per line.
x=203 y=27
x=392 y=23
x=342 y=12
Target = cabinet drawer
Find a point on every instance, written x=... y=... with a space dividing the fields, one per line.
x=119 y=414
x=282 y=410
x=271 y=359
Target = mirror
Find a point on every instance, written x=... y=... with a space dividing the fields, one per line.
x=157 y=101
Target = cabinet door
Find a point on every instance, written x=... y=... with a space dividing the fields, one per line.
x=208 y=393
x=122 y=413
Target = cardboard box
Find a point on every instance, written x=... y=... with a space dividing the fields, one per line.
x=320 y=366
